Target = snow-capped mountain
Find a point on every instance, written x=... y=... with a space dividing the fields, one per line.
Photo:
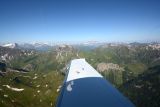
x=10 y=45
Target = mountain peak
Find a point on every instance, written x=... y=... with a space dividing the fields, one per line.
x=10 y=45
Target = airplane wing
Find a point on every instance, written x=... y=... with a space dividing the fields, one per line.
x=85 y=87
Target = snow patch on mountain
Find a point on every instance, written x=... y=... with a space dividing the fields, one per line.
x=10 y=45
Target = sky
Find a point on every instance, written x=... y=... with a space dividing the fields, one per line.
x=79 y=20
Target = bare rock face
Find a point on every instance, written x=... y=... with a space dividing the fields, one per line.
x=8 y=54
x=101 y=67
x=28 y=67
x=64 y=48
x=63 y=51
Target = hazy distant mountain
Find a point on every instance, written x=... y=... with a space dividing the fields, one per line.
x=35 y=46
x=42 y=46
x=26 y=46
x=87 y=46
x=90 y=45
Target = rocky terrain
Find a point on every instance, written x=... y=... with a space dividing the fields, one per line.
x=8 y=54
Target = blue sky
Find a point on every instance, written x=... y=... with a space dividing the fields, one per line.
x=79 y=20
